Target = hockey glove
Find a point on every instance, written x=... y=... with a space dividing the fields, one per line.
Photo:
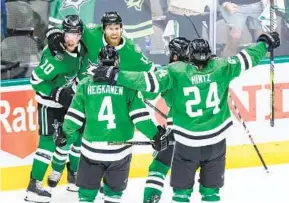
x=56 y=43
x=161 y=141
x=58 y=136
x=63 y=95
x=105 y=74
x=272 y=39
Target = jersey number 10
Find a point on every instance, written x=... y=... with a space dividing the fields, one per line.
x=212 y=100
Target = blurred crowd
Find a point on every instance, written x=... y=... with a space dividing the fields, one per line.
x=228 y=25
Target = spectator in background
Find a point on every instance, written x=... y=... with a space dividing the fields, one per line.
x=196 y=10
x=286 y=19
x=238 y=14
x=3 y=20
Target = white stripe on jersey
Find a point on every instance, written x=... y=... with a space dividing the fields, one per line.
x=242 y=62
x=142 y=118
x=156 y=82
x=76 y=121
x=136 y=111
x=199 y=143
x=147 y=81
x=79 y=113
x=248 y=57
x=153 y=68
x=203 y=133
x=35 y=80
x=47 y=102
x=101 y=145
x=105 y=157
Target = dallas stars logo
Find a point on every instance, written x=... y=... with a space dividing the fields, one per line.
x=76 y=4
x=90 y=68
x=137 y=4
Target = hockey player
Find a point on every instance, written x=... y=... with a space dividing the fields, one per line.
x=106 y=109
x=53 y=81
x=161 y=163
x=110 y=32
x=200 y=111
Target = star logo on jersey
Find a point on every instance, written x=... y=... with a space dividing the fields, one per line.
x=90 y=68
x=76 y=4
x=137 y=4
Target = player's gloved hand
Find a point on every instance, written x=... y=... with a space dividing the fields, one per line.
x=56 y=43
x=272 y=39
x=161 y=141
x=105 y=74
x=58 y=137
x=63 y=95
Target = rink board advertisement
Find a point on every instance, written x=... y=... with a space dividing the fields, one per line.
x=19 y=131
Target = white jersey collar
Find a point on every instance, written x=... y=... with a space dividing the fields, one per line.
x=75 y=55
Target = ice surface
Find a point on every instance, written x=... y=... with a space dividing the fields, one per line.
x=248 y=185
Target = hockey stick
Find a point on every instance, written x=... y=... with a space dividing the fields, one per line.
x=249 y=135
x=156 y=109
x=193 y=25
x=136 y=143
x=132 y=143
x=272 y=67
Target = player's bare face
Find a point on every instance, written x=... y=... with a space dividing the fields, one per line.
x=71 y=41
x=113 y=34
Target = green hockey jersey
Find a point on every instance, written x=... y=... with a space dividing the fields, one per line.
x=110 y=114
x=53 y=72
x=131 y=57
x=200 y=110
x=58 y=9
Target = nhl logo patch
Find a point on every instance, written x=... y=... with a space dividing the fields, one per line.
x=59 y=57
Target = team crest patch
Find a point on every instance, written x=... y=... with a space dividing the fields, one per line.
x=59 y=57
x=137 y=48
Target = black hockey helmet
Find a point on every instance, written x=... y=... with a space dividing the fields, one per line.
x=108 y=56
x=179 y=47
x=72 y=24
x=111 y=17
x=199 y=51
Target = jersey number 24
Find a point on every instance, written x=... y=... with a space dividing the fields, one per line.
x=212 y=100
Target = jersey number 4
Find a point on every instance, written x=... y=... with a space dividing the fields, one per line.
x=106 y=112
x=212 y=100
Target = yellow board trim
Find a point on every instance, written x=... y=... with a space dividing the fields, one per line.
x=13 y=178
